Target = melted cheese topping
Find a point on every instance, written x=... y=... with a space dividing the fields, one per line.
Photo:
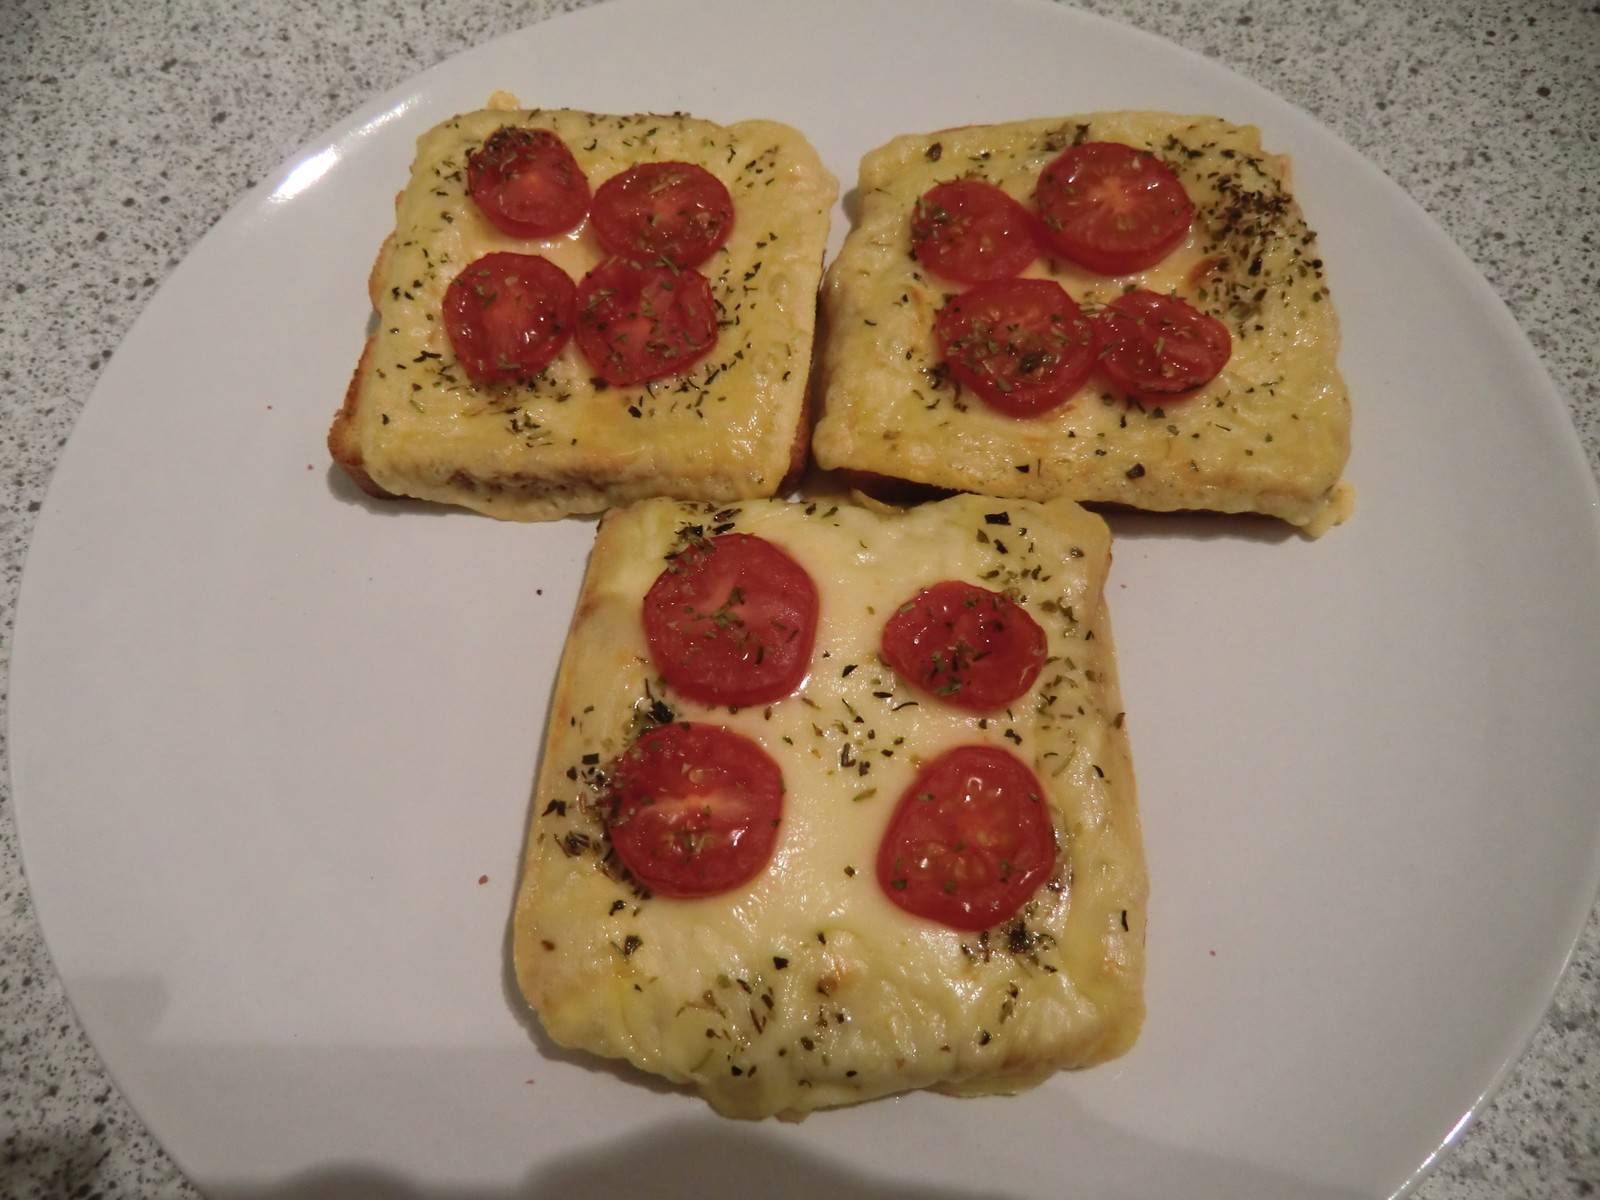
x=1270 y=434
x=722 y=430
x=807 y=988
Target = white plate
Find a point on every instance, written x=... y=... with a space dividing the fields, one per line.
x=267 y=737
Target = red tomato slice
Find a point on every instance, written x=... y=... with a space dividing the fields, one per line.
x=695 y=810
x=1111 y=208
x=1155 y=345
x=972 y=232
x=972 y=648
x=672 y=211
x=526 y=182
x=640 y=323
x=507 y=315
x=732 y=621
x=1022 y=345
x=970 y=840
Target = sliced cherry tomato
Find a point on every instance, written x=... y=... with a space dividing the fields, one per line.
x=732 y=621
x=1022 y=344
x=695 y=809
x=526 y=182
x=972 y=232
x=674 y=211
x=972 y=648
x=507 y=315
x=970 y=840
x=1111 y=208
x=1155 y=345
x=639 y=323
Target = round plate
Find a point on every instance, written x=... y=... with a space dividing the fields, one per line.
x=268 y=738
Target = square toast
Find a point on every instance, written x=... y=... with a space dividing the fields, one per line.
x=732 y=425
x=1270 y=434
x=807 y=987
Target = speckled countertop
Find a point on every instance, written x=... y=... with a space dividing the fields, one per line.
x=130 y=127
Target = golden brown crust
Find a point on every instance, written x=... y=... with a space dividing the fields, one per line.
x=342 y=443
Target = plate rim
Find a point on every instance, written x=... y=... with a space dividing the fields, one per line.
x=398 y=101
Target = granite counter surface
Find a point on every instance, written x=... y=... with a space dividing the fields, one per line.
x=128 y=128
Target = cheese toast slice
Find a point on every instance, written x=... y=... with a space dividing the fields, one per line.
x=1270 y=434
x=809 y=986
x=732 y=425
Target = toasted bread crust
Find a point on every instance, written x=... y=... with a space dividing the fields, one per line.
x=343 y=445
x=342 y=442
